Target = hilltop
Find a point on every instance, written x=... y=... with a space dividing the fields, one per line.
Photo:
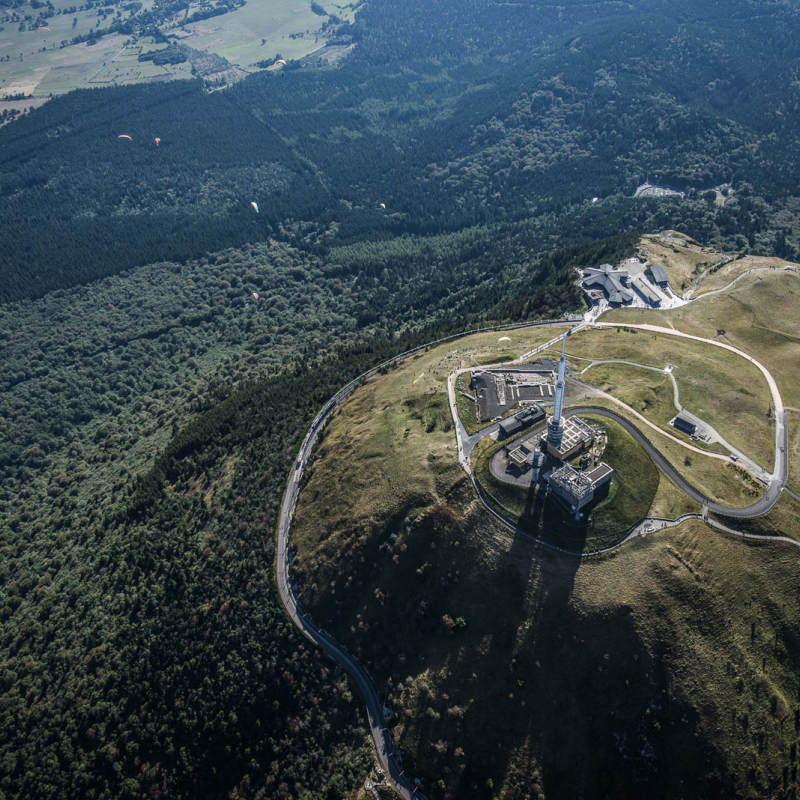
x=678 y=647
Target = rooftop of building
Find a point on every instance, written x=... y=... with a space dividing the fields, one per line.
x=659 y=273
x=579 y=484
x=576 y=432
x=646 y=291
x=572 y=481
x=611 y=280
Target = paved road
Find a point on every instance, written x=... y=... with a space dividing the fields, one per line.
x=761 y=506
x=388 y=756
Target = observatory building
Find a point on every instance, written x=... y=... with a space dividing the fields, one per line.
x=565 y=438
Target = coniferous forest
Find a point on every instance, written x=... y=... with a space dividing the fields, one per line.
x=439 y=177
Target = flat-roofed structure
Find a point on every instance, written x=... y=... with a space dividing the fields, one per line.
x=576 y=437
x=645 y=291
x=659 y=275
x=577 y=489
x=524 y=456
x=685 y=425
x=520 y=421
x=614 y=282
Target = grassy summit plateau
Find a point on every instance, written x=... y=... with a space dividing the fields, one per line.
x=668 y=668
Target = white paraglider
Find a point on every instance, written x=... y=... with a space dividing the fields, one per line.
x=255 y=205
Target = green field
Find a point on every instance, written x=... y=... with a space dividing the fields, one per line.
x=718 y=386
x=758 y=316
x=650 y=393
x=238 y=36
x=461 y=622
x=717 y=479
x=39 y=65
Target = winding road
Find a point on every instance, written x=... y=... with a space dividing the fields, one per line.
x=388 y=756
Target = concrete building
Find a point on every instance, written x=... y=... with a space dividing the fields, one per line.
x=576 y=436
x=685 y=425
x=659 y=275
x=613 y=282
x=526 y=456
x=520 y=421
x=645 y=291
x=577 y=489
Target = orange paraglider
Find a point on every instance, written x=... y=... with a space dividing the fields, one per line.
x=158 y=141
x=44 y=28
x=124 y=136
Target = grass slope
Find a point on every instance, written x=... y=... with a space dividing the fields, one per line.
x=718 y=386
x=759 y=316
x=389 y=451
x=671 y=663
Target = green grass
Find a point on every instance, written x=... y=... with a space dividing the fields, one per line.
x=237 y=36
x=670 y=502
x=389 y=451
x=717 y=385
x=676 y=644
x=717 y=479
x=650 y=393
x=720 y=278
x=758 y=316
x=466 y=407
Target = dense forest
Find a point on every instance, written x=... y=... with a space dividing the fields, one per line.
x=163 y=346
x=535 y=113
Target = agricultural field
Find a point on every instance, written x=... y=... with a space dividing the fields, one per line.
x=43 y=63
x=260 y=30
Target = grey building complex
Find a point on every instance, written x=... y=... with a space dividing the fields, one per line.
x=614 y=282
x=579 y=488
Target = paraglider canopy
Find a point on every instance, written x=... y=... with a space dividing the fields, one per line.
x=383 y=205
x=279 y=61
x=594 y=200
x=43 y=28
x=255 y=294
x=255 y=205
x=158 y=141
x=124 y=136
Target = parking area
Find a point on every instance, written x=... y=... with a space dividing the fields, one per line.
x=498 y=391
